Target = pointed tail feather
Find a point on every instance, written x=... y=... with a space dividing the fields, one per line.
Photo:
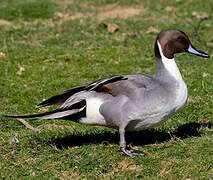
x=72 y=111
x=33 y=115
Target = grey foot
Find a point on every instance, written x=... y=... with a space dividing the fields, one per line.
x=131 y=152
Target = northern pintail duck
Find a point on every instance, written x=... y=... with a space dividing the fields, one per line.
x=130 y=102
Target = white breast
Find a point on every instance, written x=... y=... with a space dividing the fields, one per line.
x=181 y=96
x=154 y=119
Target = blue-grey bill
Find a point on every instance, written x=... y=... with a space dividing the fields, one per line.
x=192 y=50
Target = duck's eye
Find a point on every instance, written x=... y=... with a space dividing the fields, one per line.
x=181 y=39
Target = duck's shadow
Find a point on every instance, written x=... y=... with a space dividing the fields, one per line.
x=140 y=138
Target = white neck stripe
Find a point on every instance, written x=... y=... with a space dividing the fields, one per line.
x=170 y=65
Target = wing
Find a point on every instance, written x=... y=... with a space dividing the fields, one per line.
x=115 y=85
x=98 y=85
x=133 y=81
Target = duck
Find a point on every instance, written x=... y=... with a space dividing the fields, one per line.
x=129 y=102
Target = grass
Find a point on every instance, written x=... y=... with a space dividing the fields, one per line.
x=49 y=46
x=27 y=9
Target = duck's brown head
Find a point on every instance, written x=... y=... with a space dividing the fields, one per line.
x=175 y=41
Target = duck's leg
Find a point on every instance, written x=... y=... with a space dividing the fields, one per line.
x=126 y=150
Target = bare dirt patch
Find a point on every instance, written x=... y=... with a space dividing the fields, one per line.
x=100 y=13
x=64 y=2
x=108 y=11
x=4 y=22
x=66 y=17
x=115 y=11
x=126 y=164
x=69 y=174
x=54 y=127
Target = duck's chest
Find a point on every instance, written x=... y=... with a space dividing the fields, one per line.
x=181 y=96
x=176 y=102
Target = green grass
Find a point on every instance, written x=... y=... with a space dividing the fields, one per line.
x=49 y=46
x=27 y=9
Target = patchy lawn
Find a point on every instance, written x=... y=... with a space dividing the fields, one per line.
x=49 y=46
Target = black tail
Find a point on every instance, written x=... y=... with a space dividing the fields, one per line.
x=61 y=98
x=73 y=112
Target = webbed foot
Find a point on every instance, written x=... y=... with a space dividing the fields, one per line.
x=131 y=152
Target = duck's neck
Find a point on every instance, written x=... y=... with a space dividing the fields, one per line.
x=165 y=67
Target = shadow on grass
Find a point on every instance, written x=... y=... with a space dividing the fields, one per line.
x=140 y=138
